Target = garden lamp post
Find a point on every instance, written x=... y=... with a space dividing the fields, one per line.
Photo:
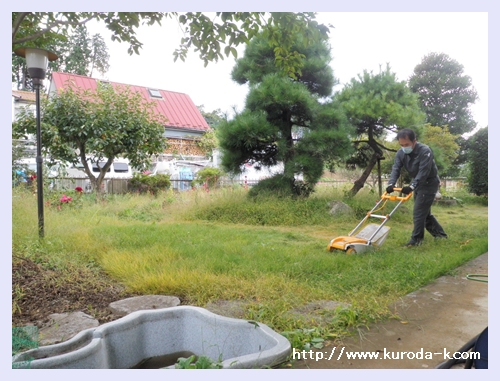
x=37 y=61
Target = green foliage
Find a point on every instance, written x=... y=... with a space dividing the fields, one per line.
x=306 y=338
x=24 y=338
x=376 y=104
x=27 y=32
x=214 y=117
x=30 y=27
x=259 y=61
x=281 y=186
x=195 y=362
x=280 y=29
x=208 y=142
x=445 y=93
x=283 y=120
x=63 y=200
x=142 y=183
x=478 y=162
x=206 y=35
x=443 y=144
x=272 y=269
x=272 y=206
x=82 y=54
x=96 y=126
x=209 y=176
x=379 y=103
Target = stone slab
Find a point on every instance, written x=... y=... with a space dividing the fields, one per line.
x=62 y=327
x=145 y=302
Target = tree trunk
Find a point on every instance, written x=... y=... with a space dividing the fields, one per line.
x=288 y=162
x=359 y=183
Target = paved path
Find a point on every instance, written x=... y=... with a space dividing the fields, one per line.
x=443 y=315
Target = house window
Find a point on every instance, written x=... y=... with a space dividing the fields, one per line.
x=155 y=93
x=96 y=166
x=120 y=167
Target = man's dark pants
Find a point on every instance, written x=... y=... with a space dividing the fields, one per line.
x=422 y=218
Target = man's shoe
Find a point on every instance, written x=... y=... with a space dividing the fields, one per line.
x=440 y=237
x=412 y=244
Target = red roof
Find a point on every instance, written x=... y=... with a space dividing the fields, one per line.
x=27 y=96
x=179 y=109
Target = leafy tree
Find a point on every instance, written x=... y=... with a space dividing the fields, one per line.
x=84 y=54
x=206 y=35
x=440 y=140
x=214 y=117
x=47 y=40
x=478 y=162
x=443 y=144
x=445 y=93
x=209 y=176
x=283 y=120
x=97 y=126
x=78 y=53
x=209 y=142
x=376 y=104
x=142 y=183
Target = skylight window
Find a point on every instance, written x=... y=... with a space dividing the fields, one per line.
x=104 y=84
x=155 y=93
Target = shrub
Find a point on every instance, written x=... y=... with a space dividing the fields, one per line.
x=478 y=161
x=281 y=186
x=145 y=183
x=209 y=176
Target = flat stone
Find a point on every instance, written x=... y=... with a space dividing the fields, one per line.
x=445 y=202
x=146 y=302
x=229 y=308
x=338 y=208
x=62 y=327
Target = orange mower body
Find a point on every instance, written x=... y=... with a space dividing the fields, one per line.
x=372 y=235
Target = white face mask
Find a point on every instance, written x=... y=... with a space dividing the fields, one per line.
x=407 y=150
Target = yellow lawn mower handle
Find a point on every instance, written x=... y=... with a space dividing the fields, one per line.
x=391 y=197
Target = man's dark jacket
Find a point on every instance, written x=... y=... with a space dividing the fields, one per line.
x=420 y=165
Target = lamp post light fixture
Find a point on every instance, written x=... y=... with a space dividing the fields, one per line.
x=37 y=61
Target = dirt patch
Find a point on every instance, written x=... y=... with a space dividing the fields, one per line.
x=39 y=291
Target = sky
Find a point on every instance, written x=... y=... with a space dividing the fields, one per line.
x=359 y=41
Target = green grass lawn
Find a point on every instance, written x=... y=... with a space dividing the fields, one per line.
x=268 y=253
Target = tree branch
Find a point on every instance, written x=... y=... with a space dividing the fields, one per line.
x=47 y=29
x=17 y=22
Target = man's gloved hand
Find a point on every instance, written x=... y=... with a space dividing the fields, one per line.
x=407 y=190
x=390 y=189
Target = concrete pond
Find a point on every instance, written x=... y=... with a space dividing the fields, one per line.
x=156 y=338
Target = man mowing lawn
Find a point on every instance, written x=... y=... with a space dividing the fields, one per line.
x=418 y=160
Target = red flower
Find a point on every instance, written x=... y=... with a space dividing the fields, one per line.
x=79 y=189
x=65 y=199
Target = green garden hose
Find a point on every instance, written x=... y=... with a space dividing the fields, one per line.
x=475 y=276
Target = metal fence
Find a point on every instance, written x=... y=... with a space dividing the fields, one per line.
x=111 y=186
x=120 y=186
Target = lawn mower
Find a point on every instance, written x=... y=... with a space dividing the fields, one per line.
x=372 y=235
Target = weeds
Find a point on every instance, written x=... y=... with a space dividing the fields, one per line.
x=270 y=253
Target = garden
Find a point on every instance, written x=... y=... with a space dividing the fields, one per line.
x=266 y=252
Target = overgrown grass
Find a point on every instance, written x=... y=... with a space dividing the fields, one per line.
x=269 y=253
